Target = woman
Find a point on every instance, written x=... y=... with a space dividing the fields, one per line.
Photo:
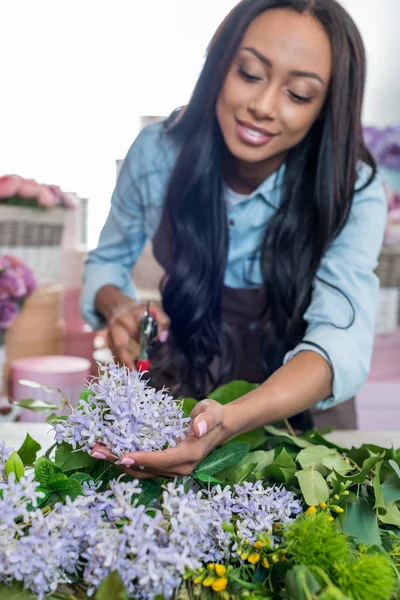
x=267 y=215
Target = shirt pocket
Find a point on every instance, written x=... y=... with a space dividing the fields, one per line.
x=252 y=270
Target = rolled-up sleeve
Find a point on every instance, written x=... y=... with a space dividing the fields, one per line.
x=341 y=314
x=121 y=240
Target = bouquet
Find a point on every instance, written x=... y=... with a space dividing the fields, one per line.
x=18 y=191
x=384 y=144
x=392 y=233
x=16 y=284
x=269 y=515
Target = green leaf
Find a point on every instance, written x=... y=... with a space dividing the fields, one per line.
x=104 y=471
x=36 y=405
x=379 y=499
x=238 y=473
x=365 y=470
x=223 y=457
x=68 y=459
x=15 y=591
x=262 y=458
x=391 y=516
x=316 y=437
x=313 y=457
x=335 y=462
x=111 y=588
x=361 y=523
x=188 y=405
x=294 y=440
x=44 y=470
x=209 y=479
x=282 y=469
x=395 y=467
x=391 y=488
x=232 y=391
x=28 y=450
x=313 y=486
x=255 y=438
x=82 y=477
x=15 y=465
x=65 y=487
x=301 y=584
x=151 y=489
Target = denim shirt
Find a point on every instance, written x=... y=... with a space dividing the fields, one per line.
x=136 y=208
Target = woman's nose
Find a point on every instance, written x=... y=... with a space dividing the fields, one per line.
x=266 y=104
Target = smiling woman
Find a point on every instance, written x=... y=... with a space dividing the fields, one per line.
x=267 y=216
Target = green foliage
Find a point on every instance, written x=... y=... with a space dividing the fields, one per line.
x=366 y=577
x=15 y=465
x=314 y=542
x=340 y=552
x=223 y=458
x=112 y=588
x=68 y=459
x=28 y=450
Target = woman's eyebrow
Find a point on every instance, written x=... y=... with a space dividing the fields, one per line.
x=295 y=73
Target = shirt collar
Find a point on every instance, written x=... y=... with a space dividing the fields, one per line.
x=269 y=189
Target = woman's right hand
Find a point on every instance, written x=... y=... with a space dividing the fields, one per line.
x=124 y=316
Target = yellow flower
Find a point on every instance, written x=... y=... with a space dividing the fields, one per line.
x=208 y=581
x=311 y=510
x=246 y=541
x=330 y=519
x=337 y=509
x=265 y=563
x=245 y=556
x=220 y=570
x=197 y=579
x=323 y=505
x=254 y=558
x=211 y=567
x=258 y=545
x=220 y=584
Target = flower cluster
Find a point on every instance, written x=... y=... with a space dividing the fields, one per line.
x=249 y=509
x=384 y=144
x=4 y=454
x=97 y=533
x=17 y=190
x=123 y=412
x=16 y=284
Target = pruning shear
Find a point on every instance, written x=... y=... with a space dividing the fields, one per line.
x=147 y=332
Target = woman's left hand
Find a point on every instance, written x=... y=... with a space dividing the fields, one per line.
x=207 y=432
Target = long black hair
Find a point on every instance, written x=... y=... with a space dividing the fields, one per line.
x=319 y=182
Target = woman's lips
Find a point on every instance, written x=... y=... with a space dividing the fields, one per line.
x=252 y=136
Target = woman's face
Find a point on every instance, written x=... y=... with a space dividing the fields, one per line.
x=275 y=88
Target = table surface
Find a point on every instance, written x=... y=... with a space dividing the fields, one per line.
x=14 y=434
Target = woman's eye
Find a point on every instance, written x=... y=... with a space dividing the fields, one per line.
x=247 y=76
x=297 y=98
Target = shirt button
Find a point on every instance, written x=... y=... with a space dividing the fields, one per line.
x=231 y=222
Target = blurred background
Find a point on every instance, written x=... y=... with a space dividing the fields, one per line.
x=80 y=77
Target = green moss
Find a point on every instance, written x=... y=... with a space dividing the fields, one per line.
x=313 y=541
x=369 y=577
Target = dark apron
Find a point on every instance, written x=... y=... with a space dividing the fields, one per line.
x=241 y=309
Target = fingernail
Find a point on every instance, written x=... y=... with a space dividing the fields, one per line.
x=164 y=336
x=127 y=461
x=99 y=455
x=202 y=428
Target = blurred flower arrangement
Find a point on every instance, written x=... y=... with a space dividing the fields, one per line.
x=18 y=191
x=17 y=283
x=268 y=515
x=384 y=145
